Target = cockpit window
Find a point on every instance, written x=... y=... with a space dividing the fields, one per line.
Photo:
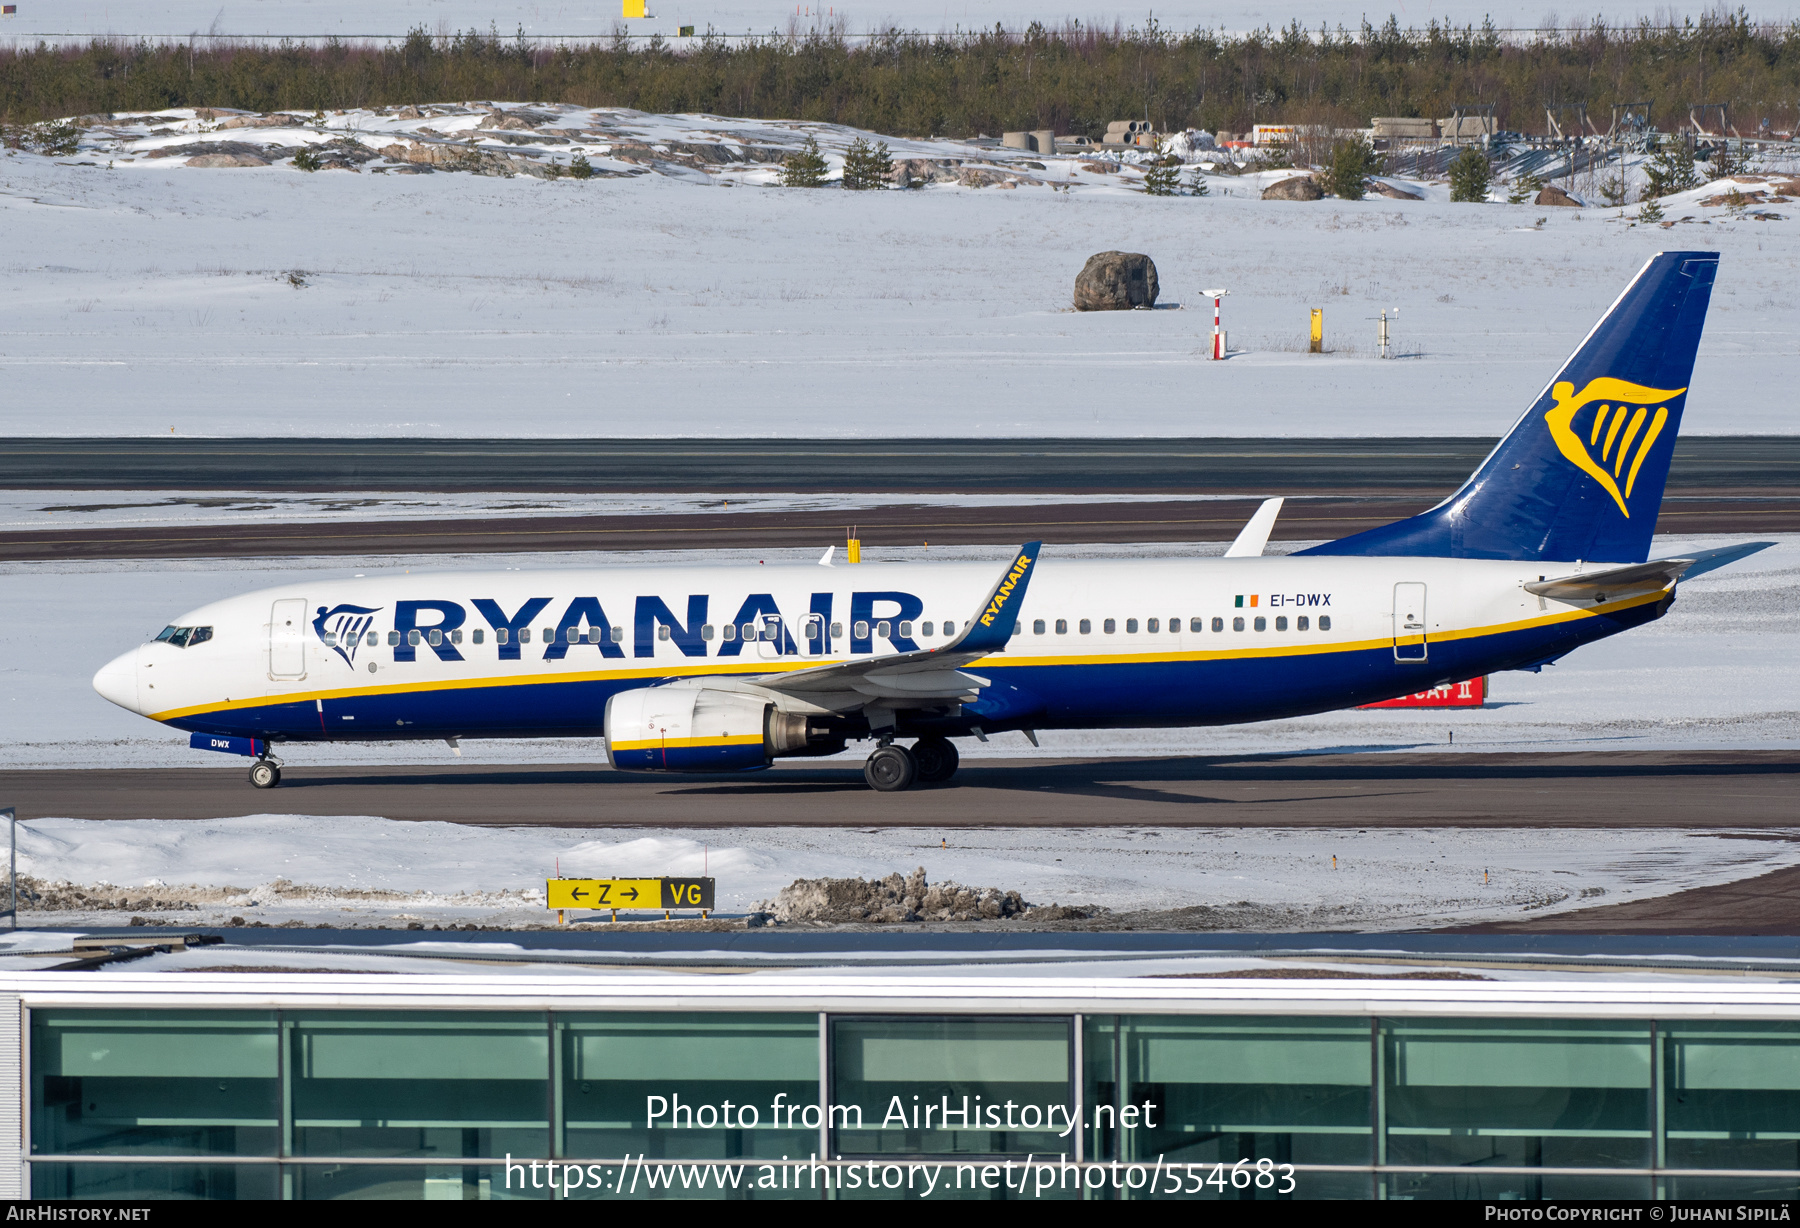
x=184 y=637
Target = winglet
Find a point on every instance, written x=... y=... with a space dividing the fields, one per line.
x=1255 y=534
x=993 y=626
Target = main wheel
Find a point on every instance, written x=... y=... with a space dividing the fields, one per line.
x=937 y=760
x=264 y=775
x=890 y=769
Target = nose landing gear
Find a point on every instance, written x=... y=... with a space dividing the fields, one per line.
x=265 y=773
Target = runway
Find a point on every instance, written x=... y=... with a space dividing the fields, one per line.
x=1637 y=789
x=1419 y=466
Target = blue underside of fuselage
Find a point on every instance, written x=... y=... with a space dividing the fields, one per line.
x=1209 y=691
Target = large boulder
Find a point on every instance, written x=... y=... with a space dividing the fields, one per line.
x=1393 y=191
x=1557 y=197
x=218 y=160
x=1300 y=187
x=1116 y=281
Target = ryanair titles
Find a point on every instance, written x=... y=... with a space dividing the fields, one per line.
x=537 y=625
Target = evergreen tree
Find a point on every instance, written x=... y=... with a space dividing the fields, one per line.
x=1469 y=176
x=1164 y=177
x=867 y=167
x=805 y=169
x=1352 y=162
x=1650 y=211
x=1524 y=188
x=1670 y=171
x=306 y=159
x=581 y=168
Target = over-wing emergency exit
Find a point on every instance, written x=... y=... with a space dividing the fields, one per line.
x=724 y=668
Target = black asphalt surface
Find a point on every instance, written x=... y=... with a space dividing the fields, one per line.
x=1273 y=466
x=1638 y=789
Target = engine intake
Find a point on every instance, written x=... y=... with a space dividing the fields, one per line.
x=686 y=729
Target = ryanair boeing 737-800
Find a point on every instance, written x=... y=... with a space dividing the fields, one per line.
x=708 y=669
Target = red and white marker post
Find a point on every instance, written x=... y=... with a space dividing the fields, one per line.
x=1218 y=346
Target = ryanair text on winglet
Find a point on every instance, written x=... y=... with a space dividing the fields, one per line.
x=1004 y=592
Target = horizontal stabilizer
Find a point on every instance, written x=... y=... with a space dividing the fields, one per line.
x=1617 y=582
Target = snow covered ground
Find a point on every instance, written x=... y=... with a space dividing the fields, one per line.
x=1721 y=670
x=368 y=871
x=142 y=296
x=551 y=19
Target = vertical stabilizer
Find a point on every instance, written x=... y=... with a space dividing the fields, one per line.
x=1581 y=475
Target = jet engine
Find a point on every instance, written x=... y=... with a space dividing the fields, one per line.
x=700 y=729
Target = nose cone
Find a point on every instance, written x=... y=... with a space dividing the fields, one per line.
x=117 y=681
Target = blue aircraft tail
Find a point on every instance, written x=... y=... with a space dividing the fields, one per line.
x=1581 y=475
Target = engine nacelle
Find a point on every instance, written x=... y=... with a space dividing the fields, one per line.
x=686 y=729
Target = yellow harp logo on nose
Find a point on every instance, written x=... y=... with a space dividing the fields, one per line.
x=1614 y=428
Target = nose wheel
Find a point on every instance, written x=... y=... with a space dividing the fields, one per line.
x=265 y=774
x=890 y=769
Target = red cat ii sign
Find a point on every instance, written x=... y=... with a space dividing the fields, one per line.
x=1470 y=694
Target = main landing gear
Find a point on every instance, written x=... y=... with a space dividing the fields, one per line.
x=265 y=773
x=893 y=768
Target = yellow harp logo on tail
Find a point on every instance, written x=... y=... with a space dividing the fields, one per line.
x=1621 y=412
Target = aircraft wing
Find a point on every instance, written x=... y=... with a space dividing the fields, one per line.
x=1639 y=578
x=933 y=673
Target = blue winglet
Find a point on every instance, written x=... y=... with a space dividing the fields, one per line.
x=1581 y=474
x=991 y=628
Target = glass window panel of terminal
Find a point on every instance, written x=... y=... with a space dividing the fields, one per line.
x=620 y=1069
x=418 y=1083
x=1731 y=1096
x=1217 y=1090
x=209 y=1182
x=154 y=1082
x=416 y=1182
x=1013 y=1074
x=1518 y=1093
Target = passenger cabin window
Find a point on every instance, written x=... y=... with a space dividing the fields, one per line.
x=1281 y=623
x=549 y=635
x=1218 y=624
x=330 y=638
x=862 y=630
x=1109 y=626
x=618 y=635
x=477 y=635
x=1153 y=625
x=906 y=630
x=436 y=637
x=1062 y=626
x=1237 y=624
x=374 y=638
x=1324 y=622
x=925 y=630
x=1300 y=624
x=1086 y=626
x=949 y=628
x=884 y=629
x=1262 y=624
x=1131 y=626
x=502 y=635
x=456 y=637
x=412 y=637
x=728 y=632
x=524 y=635
x=393 y=638
x=1175 y=626
x=748 y=631
x=706 y=632
x=1196 y=624
x=594 y=634
x=1037 y=626
x=837 y=630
